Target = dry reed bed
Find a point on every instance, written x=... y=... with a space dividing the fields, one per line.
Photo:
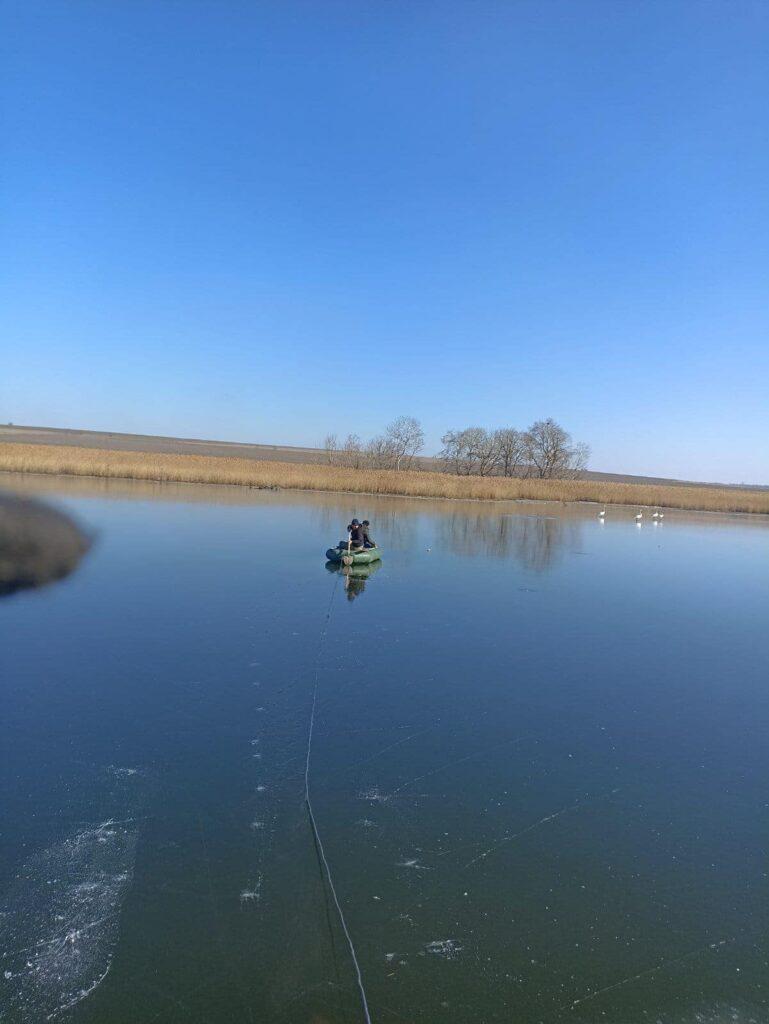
x=33 y=458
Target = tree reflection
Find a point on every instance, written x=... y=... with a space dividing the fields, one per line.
x=535 y=542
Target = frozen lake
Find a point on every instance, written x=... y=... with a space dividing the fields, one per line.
x=540 y=765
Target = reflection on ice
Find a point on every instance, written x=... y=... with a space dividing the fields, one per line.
x=355 y=576
x=535 y=541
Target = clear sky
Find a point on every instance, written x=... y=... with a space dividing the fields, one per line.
x=266 y=220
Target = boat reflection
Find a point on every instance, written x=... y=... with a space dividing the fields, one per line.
x=355 y=576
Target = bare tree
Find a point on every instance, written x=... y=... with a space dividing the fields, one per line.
x=550 y=451
x=406 y=439
x=352 y=451
x=470 y=451
x=546 y=447
x=331 y=448
x=511 y=451
x=379 y=453
x=484 y=454
x=579 y=458
x=455 y=452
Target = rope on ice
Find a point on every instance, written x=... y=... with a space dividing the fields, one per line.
x=313 y=823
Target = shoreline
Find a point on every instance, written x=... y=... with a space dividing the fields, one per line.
x=484 y=503
x=251 y=474
x=263 y=452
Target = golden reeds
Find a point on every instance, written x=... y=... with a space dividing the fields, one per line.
x=33 y=458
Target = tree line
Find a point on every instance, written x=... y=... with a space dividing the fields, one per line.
x=546 y=450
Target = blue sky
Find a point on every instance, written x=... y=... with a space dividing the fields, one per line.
x=264 y=221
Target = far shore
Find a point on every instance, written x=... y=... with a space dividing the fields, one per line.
x=205 y=469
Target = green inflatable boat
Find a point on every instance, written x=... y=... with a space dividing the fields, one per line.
x=363 y=556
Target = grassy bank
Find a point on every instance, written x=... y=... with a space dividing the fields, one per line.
x=33 y=458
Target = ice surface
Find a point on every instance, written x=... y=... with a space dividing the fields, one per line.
x=59 y=925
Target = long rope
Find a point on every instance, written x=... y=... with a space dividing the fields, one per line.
x=313 y=823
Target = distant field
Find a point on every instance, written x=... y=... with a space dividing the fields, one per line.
x=259 y=452
x=184 y=468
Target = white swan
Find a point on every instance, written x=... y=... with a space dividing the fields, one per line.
x=639 y=517
x=602 y=514
x=655 y=515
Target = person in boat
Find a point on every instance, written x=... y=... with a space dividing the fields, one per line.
x=368 y=541
x=357 y=537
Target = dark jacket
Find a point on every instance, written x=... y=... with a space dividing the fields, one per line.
x=356 y=534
